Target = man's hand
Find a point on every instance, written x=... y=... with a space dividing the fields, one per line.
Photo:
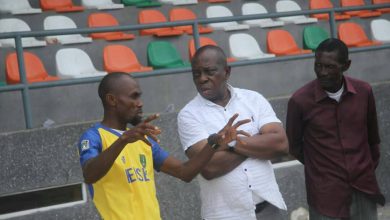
x=140 y=131
x=230 y=133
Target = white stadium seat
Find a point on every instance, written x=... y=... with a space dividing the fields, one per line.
x=17 y=25
x=245 y=47
x=380 y=29
x=62 y=22
x=16 y=7
x=179 y=2
x=253 y=8
x=101 y=4
x=289 y=6
x=218 y=11
x=75 y=63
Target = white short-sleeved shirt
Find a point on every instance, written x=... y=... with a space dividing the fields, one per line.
x=233 y=195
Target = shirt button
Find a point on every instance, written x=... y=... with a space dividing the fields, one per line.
x=250 y=186
x=245 y=169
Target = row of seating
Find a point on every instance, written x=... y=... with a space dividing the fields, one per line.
x=24 y=7
x=75 y=63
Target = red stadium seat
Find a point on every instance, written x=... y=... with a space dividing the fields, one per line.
x=106 y=20
x=60 y=5
x=203 y=41
x=155 y=16
x=119 y=58
x=180 y=14
x=281 y=42
x=353 y=35
x=35 y=71
x=382 y=10
x=321 y=4
x=360 y=13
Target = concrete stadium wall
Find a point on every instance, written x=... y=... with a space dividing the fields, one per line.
x=41 y=158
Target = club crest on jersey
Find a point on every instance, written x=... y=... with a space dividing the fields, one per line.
x=142 y=159
x=84 y=145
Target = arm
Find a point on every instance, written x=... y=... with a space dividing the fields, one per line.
x=269 y=143
x=294 y=129
x=97 y=167
x=201 y=156
x=221 y=163
x=372 y=130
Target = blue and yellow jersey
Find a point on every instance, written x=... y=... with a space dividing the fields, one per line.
x=128 y=190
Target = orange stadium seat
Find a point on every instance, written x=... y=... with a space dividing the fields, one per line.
x=321 y=4
x=382 y=10
x=119 y=58
x=360 y=13
x=353 y=35
x=203 y=42
x=102 y=19
x=281 y=42
x=60 y=5
x=180 y=14
x=35 y=71
x=155 y=16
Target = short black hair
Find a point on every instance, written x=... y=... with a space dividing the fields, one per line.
x=107 y=84
x=220 y=54
x=334 y=44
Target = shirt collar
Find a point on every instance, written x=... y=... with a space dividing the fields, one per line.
x=233 y=95
x=320 y=94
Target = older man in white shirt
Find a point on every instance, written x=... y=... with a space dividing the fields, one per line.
x=236 y=180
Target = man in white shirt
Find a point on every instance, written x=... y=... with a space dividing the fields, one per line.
x=235 y=180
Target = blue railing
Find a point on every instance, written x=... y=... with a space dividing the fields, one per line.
x=24 y=87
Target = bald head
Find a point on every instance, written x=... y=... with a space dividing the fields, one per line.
x=210 y=49
x=109 y=84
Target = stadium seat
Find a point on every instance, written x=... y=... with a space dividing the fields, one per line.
x=141 y=3
x=120 y=58
x=60 y=6
x=218 y=11
x=162 y=54
x=102 y=19
x=62 y=22
x=18 y=7
x=155 y=16
x=321 y=4
x=75 y=63
x=16 y=25
x=101 y=4
x=179 y=2
x=353 y=35
x=245 y=47
x=289 y=6
x=313 y=36
x=360 y=13
x=35 y=71
x=252 y=8
x=281 y=42
x=203 y=41
x=380 y=29
x=3 y=83
x=180 y=14
x=382 y=10
x=216 y=1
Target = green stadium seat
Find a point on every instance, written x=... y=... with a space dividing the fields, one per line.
x=313 y=36
x=141 y=3
x=3 y=83
x=162 y=54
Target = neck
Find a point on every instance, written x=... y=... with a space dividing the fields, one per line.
x=113 y=122
x=225 y=99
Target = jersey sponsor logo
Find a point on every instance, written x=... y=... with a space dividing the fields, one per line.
x=84 y=145
x=142 y=159
x=137 y=174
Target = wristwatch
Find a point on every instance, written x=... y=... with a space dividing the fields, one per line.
x=212 y=141
x=232 y=146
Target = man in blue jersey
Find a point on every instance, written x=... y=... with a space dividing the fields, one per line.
x=118 y=163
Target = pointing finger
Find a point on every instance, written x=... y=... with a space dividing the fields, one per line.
x=151 y=118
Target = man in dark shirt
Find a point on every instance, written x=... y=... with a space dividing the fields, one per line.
x=332 y=129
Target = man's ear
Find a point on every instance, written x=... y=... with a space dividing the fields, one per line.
x=228 y=69
x=346 y=65
x=110 y=99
